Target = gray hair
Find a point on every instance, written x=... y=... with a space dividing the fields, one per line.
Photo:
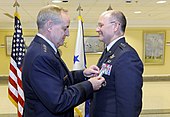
x=50 y=12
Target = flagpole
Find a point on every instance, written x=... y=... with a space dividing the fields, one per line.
x=109 y=8
x=79 y=9
x=15 y=88
x=87 y=103
x=79 y=55
x=16 y=5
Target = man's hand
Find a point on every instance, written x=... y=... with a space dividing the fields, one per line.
x=96 y=82
x=91 y=71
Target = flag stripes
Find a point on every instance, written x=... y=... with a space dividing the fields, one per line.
x=15 y=87
x=15 y=90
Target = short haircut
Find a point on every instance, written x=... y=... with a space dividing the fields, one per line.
x=118 y=16
x=50 y=12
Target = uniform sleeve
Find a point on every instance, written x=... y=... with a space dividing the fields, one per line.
x=128 y=82
x=78 y=76
x=49 y=87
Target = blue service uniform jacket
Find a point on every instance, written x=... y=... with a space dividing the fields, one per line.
x=49 y=87
x=122 y=95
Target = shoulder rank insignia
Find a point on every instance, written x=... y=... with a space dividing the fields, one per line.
x=123 y=45
x=44 y=48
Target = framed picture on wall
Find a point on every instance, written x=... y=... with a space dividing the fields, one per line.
x=154 y=47
x=27 y=40
x=93 y=45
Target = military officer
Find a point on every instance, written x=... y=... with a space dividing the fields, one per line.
x=122 y=68
x=50 y=89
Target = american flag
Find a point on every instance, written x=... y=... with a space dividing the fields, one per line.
x=15 y=90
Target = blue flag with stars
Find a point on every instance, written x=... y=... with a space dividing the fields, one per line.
x=80 y=61
x=79 y=56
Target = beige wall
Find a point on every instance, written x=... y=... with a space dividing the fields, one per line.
x=4 y=58
x=133 y=35
x=155 y=94
x=135 y=38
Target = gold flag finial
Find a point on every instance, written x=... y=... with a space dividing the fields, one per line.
x=79 y=9
x=109 y=8
x=16 y=5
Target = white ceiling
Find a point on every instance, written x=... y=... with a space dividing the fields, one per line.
x=153 y=14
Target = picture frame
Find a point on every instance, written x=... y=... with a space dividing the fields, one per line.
x=9 y=38
x=93 y=45
x=154 y=47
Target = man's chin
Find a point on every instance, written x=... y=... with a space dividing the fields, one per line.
x=61 y=44
x=100 y=39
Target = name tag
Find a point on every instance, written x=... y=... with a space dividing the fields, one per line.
x=107 y=68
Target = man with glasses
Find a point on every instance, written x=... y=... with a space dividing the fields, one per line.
x=121 y=96
x=50 y=89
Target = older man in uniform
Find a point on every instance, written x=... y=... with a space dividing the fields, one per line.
x=50 y=89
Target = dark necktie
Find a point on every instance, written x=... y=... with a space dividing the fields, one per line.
x=105 y=51
x=102 y=57
x=58 y=53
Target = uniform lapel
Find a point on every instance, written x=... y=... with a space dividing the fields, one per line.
x=105 y=56
x=56 y=54
x=114 y=47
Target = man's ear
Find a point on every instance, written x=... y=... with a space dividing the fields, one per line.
x=116 y=27
x=49 y=25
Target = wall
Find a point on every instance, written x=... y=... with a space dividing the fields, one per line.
x=4 y=58
x=135 y=38
x=155 y=94
x=133 y=35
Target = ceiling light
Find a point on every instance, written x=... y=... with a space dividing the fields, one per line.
x=128 y=1
x=161 y=2
x=65 y=0
x=56 y=1
x=137 y=12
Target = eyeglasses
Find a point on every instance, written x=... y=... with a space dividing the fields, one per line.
x=115 y=22
x=100 y=25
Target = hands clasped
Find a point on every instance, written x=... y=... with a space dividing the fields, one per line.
x=96 y=81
